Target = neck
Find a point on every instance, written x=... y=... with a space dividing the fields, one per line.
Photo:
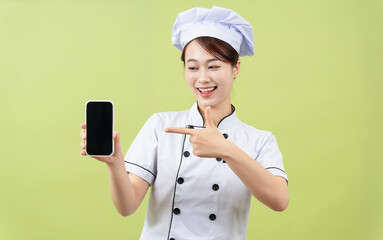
x=217 y=112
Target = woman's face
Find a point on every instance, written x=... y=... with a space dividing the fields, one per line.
x=209 y=78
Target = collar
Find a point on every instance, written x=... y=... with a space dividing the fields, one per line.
x=196 y=118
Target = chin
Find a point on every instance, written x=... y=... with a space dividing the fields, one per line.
x=206 y=103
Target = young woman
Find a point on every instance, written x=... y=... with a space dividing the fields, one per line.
x=203 y=164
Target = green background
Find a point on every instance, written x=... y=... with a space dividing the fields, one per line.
x=314 y=82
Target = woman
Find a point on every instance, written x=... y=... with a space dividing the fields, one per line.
x=203 y=164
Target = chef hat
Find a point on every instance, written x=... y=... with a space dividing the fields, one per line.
x=217 y=22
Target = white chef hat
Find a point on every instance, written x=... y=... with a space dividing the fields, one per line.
x=217 y=22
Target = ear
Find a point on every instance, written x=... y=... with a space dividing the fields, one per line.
x=236 y=69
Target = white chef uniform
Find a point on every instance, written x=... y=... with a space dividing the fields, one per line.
x=195 y=198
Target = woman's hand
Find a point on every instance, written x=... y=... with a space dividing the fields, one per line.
x=207 y=142
x=118 y=154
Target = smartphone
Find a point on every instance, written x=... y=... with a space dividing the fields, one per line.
x=99 y=120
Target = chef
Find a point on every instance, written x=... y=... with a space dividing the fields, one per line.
x=203 y=164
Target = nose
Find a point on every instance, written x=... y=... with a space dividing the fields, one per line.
x=203 y=76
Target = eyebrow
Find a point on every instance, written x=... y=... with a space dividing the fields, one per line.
x=209 y=60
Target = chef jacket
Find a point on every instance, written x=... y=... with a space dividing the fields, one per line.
x=194 y=198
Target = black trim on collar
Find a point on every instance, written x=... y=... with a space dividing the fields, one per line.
x=232 y=111
x=203 y=119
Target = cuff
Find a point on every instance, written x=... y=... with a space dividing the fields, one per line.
x=140 y=171
x=278 y=172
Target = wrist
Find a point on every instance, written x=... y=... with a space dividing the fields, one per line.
x=115 y=163
x=227 y=149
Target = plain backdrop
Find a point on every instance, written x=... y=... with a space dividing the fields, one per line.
x=315 y=82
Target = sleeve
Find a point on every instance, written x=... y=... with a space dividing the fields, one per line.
x=141 y=158
x=270 y=157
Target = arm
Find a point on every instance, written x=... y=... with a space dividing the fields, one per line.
x=269 y=189
x=127 y=190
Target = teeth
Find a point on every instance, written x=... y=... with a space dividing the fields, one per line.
x=206 y=90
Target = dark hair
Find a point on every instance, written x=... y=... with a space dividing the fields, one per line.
x=218 y=48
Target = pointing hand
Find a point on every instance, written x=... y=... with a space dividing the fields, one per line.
x=207 y=142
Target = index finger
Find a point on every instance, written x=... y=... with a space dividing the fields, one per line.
x=82 y=125
x=179 y=130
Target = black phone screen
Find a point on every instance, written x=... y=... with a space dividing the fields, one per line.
x=99 y=128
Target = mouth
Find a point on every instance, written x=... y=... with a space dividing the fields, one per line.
x=206 y=91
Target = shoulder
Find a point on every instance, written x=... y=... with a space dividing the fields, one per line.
x=171 y=115
x=252 y=131
x=255 y=140
x=170 y=118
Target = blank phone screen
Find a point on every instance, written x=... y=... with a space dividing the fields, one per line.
x=99 y=128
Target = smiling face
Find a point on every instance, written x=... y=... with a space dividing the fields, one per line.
x=209 y=78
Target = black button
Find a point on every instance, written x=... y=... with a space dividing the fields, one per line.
x=215 y=187
x=190 y=126
x=225 y=135
x=219 y=159
x=176 y=211
x=223 y=161
x=186 y=154
x=172 y=239
x=212 y=217
x=180 y=180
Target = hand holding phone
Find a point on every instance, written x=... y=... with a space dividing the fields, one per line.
x=118 y=154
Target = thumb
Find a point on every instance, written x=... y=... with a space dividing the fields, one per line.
x=208 y=119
